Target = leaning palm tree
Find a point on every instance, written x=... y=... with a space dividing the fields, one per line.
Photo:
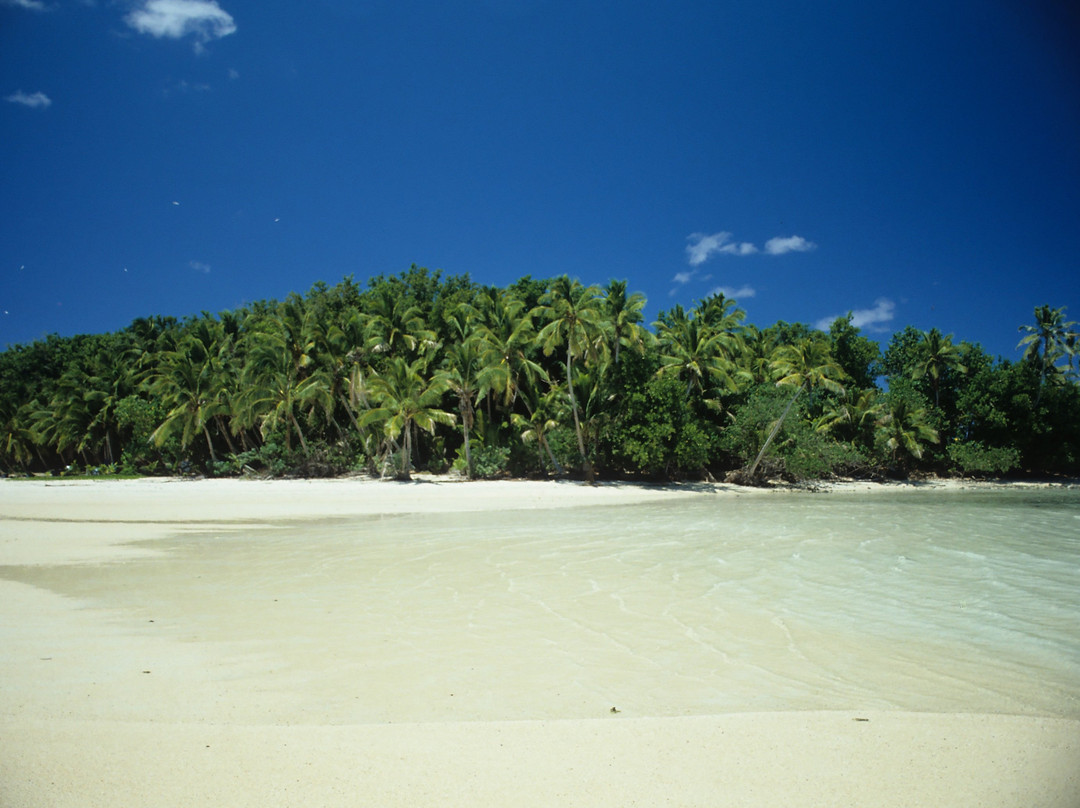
x=574 y=322
x=544 y=414
x=804 y=365
x=404 y=399
x=1049 y=340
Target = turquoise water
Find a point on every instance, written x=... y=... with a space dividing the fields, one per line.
x=943 y=601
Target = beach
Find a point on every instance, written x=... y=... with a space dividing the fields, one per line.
x=100 y=707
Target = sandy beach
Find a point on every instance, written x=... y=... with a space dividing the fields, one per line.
x=95 y=710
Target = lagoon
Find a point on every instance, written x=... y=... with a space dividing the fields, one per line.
x=949 y=602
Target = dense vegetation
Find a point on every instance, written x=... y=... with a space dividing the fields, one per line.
x=418 y=371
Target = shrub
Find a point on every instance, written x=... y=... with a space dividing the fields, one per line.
x=975 y=459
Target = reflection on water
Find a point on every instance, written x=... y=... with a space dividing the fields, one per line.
x=938 y=602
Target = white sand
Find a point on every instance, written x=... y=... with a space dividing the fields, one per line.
x=82 y=725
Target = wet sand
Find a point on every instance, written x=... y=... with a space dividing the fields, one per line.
x=93 y=713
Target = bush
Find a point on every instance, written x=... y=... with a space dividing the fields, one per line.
x=975 y=459
x=657 y=433
x=798 y=452
x=488 y=461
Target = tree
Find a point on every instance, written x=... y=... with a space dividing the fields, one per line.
x=543 y=415
x=805 y=365
x=904 y=429
x=461 y=371
x=404 y=399
x=624 y=318
x=187 y=386
x=575 y=322
x=937 y=357
x=857 y=355
x=506 y=340
x=1051 y=339
x=699 y=349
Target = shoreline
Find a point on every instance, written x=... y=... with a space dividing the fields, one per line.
x=64 y=748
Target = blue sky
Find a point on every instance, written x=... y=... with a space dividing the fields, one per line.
x=913 y=162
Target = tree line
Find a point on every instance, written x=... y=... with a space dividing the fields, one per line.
x=542 y=377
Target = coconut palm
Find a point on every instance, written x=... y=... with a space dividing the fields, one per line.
x=275 y=388
x=545 y=412
x=937 y=356
x=624 y=318
x=575 y=322
x=461 y=370
x=187 y=386
x=392 y=327
x=404 y=399
x=904 y=429
x=1048 y=341
x=506 y=340
x=853 y=417
x=696 y=350
x=804 y=365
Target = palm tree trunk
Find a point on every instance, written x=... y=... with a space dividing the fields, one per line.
x=555 y=463
x=299 y=432
x=406 y=452
x=209 y=444
x=224 y=431
x=586 y=466
x=775 y=429
x=466 y=425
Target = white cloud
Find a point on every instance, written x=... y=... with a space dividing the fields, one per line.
x=870 y=319
x=786 y=244
x=702 y=246
x=199 y=266
x=683 y=277
x=34 y=100
x=733 y=293
x=33 y=5
x=174 y=19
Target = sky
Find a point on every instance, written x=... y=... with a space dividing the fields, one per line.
x=913 y=163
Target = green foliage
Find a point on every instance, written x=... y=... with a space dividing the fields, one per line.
x=541 y=375
x=488 y=461
x=798 y=452
x=972 y=458
x=657 y=433
x=857 y=356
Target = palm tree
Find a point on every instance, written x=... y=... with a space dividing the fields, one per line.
x=853 y=418
x=275 y=387
x=936 y=357
x=506 y=340
x=804 y=365
x=186 y=386
x=461 y=371
x=904 y=428
x=575 y=320
x=1050 y=339
x=698 y=352
x=544 y=413
x=624 y=317
x=404 y=399
x=392 y=327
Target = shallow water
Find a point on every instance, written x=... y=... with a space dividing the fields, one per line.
x=944 y=601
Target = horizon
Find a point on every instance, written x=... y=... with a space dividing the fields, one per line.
x=912 y=164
